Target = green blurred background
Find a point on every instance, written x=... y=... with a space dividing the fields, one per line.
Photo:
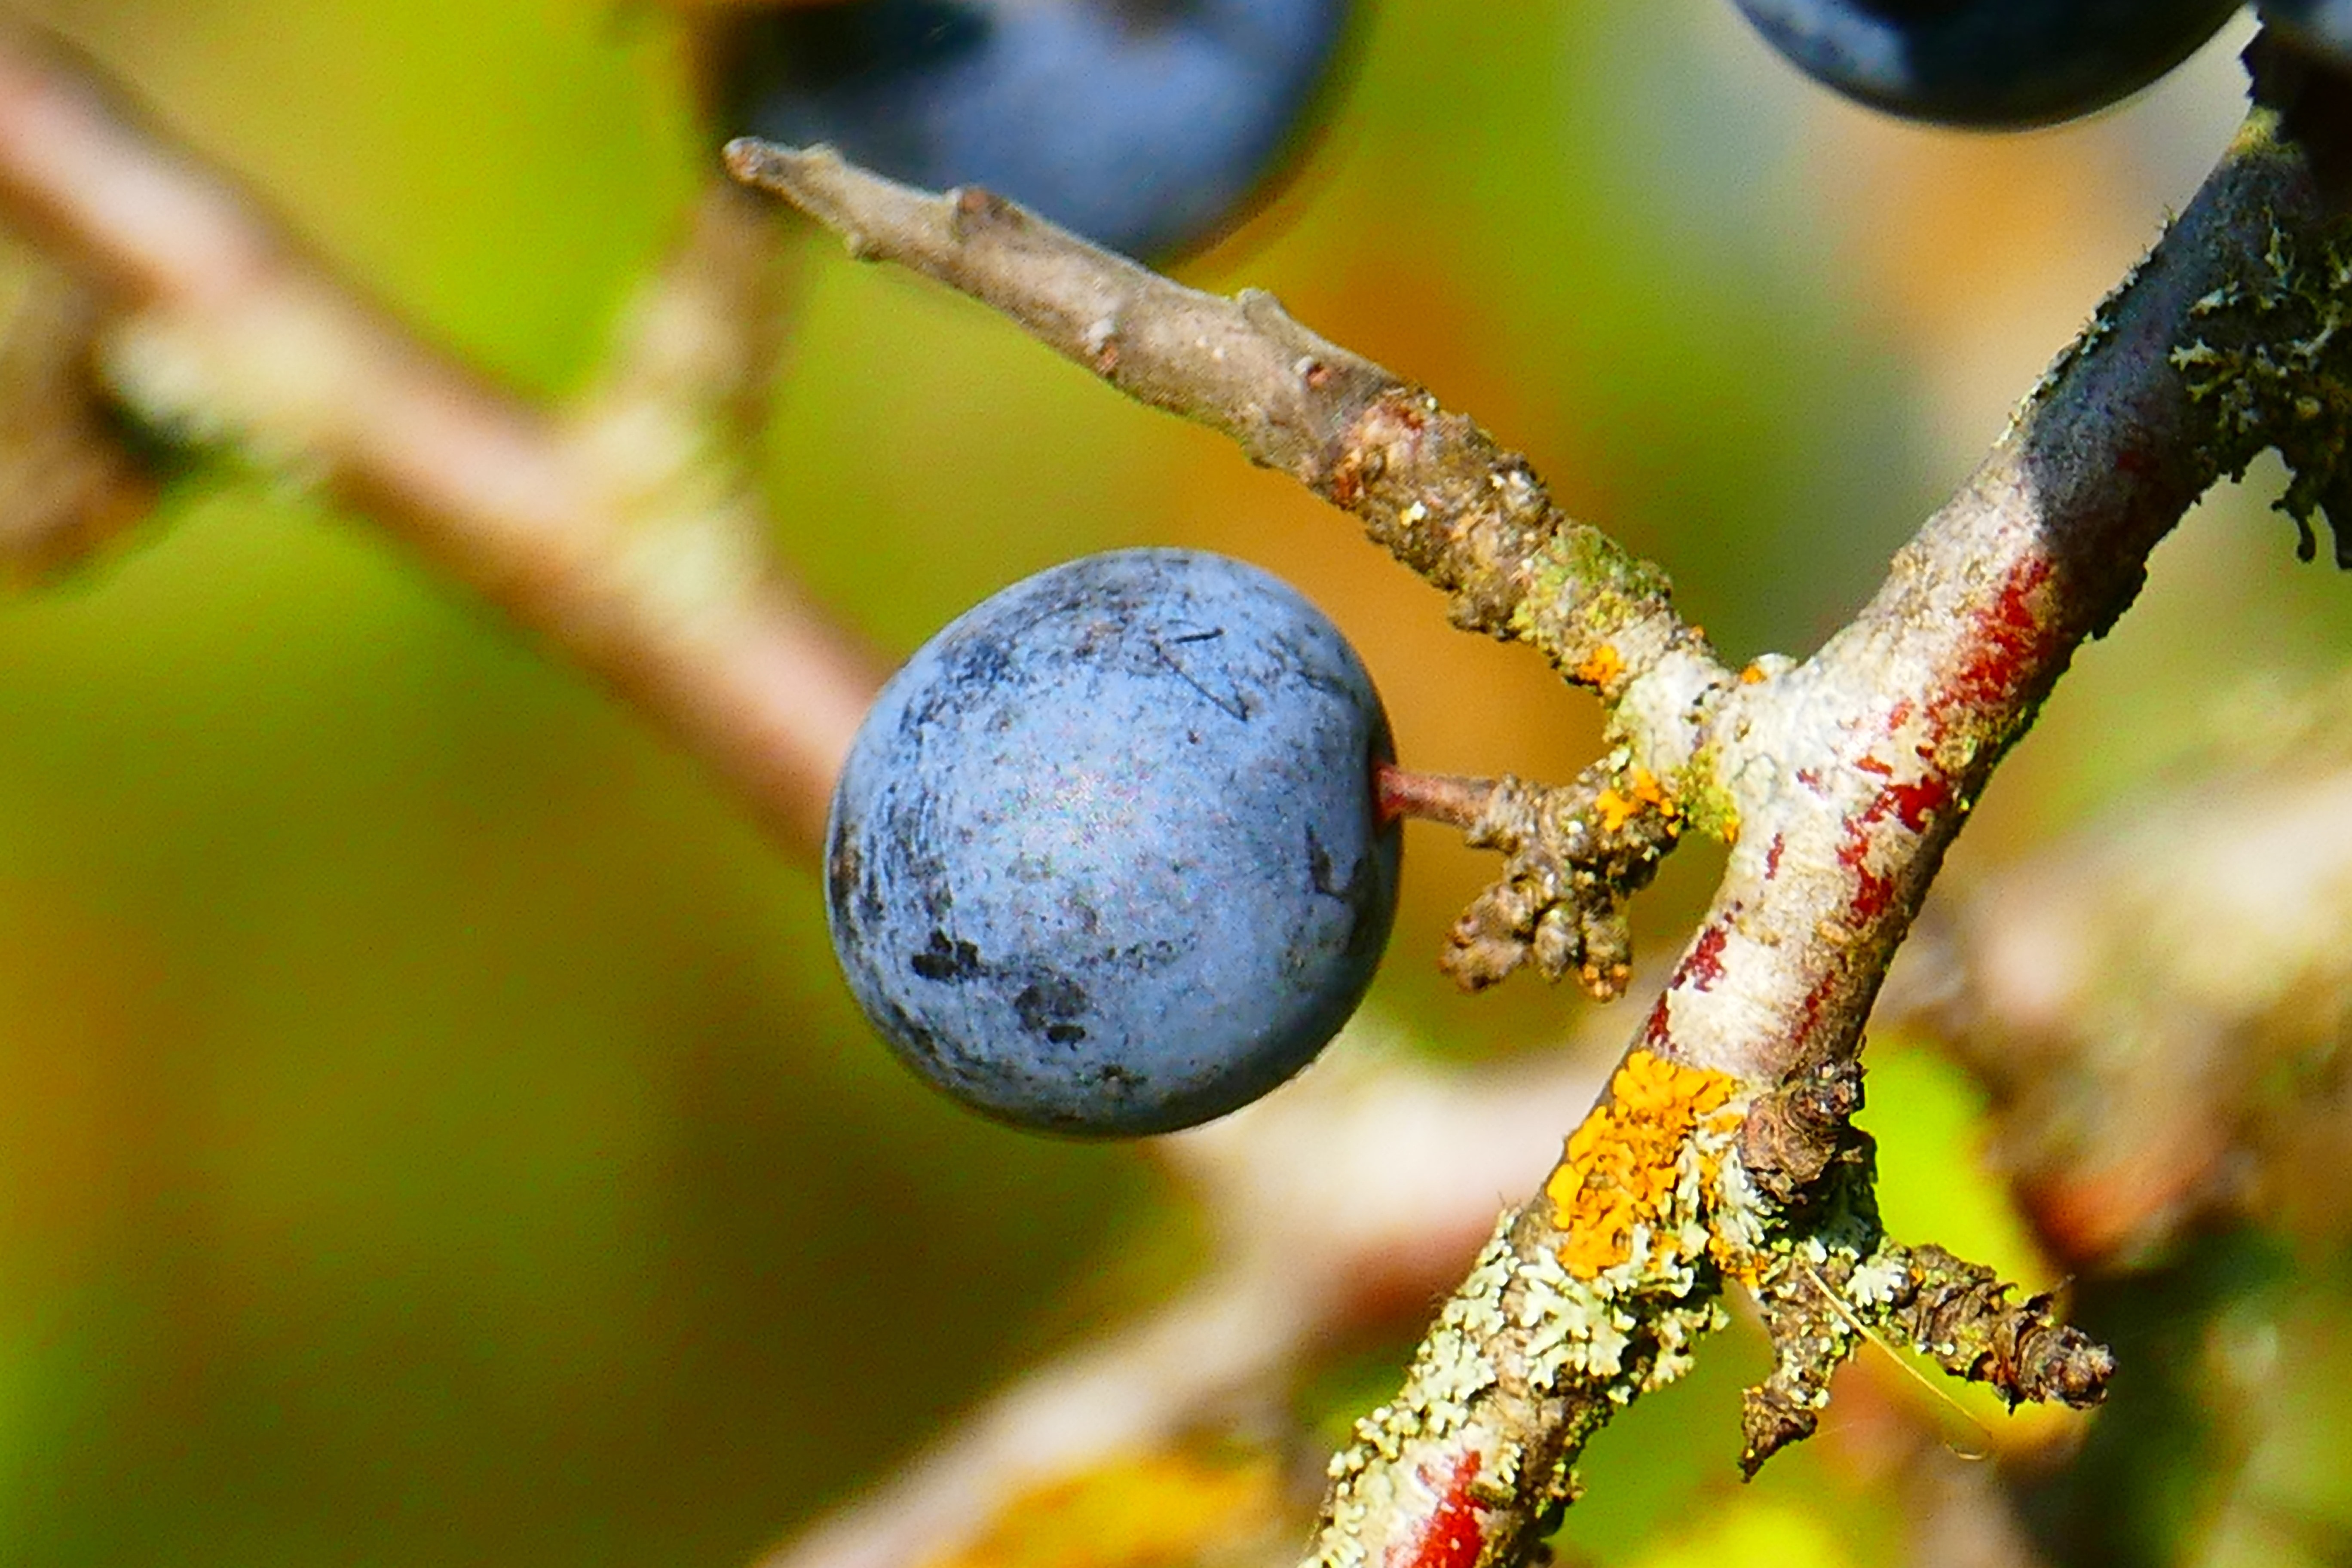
x=430 y=1127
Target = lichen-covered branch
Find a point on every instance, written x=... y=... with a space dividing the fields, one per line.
x=624 y=531
x=1722 y=1147
x=1426 y=483
x=1574 y=855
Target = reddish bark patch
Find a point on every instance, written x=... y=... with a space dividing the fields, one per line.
x=1809 y=1011
x=1872 y=892
x=2008 y=642
x=1655 y=1030
x=1452 y=1538
x=1915 y=802
x=1772 y=855
x=1911 y=802
x=1871 y=896
x=1703 y=965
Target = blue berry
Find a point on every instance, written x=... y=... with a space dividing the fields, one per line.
x=1105 y=858
x=1988 y=63
x=2325 y=26
x=1142 y=124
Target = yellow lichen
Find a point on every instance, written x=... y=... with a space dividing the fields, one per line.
x=1599 y=668
x=1621 y=1167
x=1643 y=790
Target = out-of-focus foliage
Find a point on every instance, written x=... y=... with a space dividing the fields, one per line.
x=430 y=1128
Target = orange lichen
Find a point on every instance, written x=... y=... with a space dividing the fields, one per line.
x=1622 y=1166
x=1641 y=791
x=1601 y=667
x=1754 y=675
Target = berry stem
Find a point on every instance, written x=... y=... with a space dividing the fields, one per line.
x=1449 y=798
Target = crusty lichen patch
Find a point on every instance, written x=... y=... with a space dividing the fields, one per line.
x=1601 y=669
x=2274 y=373
x=1617 y=1184
x=1605 y=1308
x=1642 y=792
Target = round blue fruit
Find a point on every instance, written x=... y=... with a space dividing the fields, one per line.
x=1105 y=858
x=1143 y=124
x=1991 y=63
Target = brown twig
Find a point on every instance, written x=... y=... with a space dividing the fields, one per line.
x=630 y=544
x=1428 y=484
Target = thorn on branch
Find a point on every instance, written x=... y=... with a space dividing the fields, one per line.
x=1955 y=1312
x=1959 y=1314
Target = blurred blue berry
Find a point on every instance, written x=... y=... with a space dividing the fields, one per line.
x=1105 y=858
x=1991 y=63
x=2325 y=26
x=1142 y=124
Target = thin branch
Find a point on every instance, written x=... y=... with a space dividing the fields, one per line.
x=1429 y=485
x=1723 y=1147
x=631 y=545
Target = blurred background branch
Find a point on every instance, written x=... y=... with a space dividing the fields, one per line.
x=623 y=531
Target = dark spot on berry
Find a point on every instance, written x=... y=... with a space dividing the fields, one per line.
x=1367 y=932
x=1319 y=868
x=946 y=959
x=1054 y=1001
